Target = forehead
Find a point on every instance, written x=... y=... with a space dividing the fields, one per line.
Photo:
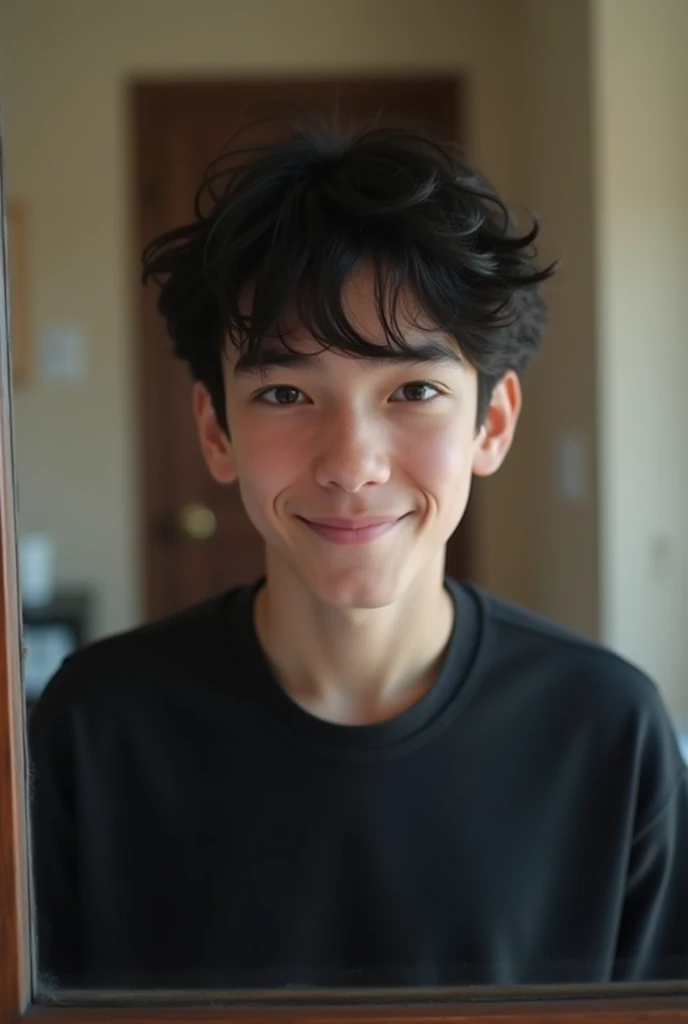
x=293 y=343
x=310 y=354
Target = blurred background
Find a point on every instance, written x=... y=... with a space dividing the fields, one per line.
x=576 y=109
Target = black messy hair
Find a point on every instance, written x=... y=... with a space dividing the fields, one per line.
x=292 y=219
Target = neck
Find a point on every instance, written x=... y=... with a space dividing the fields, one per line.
x=359 y=666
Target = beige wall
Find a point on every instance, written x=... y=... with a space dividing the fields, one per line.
x=558 y=186
x=63 y=72
x=641 y=175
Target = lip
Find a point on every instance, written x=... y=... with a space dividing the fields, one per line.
x=352 y=531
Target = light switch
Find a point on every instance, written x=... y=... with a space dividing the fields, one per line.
x=570 y=468
x=63 y=357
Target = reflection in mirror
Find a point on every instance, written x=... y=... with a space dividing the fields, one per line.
x=300 y=716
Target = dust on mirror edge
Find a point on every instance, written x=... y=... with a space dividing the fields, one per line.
x=336 y=809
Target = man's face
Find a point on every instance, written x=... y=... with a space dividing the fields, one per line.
x=355 y=472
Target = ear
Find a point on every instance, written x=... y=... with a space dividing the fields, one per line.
x=497 y=432
x=215 y=444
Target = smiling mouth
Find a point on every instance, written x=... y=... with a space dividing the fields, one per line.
x=352 y=531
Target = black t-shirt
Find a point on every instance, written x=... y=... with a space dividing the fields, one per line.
x=525 y=822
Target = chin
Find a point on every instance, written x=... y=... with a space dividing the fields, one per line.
x=357 y=590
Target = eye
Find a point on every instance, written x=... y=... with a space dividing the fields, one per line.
x=281 y=394
x=418 y=391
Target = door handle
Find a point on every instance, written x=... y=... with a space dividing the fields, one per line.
x=196 y=521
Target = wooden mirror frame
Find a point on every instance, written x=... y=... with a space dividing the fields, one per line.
x=651 y=1004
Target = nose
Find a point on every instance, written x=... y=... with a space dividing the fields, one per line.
x=353 y=454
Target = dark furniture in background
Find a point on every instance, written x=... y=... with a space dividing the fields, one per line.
x=52 y=632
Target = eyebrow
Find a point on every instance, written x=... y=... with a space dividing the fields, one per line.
x=431 y=351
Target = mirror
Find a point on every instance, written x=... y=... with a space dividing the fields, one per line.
x=356 y=775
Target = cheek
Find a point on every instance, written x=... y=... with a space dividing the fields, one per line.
x=441 y=457
x=265 y=460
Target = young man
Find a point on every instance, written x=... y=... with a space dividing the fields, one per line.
x=355 y=772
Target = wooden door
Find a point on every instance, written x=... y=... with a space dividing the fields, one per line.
x=179 y=129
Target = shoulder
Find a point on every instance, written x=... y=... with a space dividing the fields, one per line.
x=561 y=655
x=588 y=687
x=135 y=663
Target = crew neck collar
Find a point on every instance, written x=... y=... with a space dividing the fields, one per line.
x=450 y=689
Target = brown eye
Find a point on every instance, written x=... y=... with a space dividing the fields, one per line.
x=281 y=395
x=418 y=391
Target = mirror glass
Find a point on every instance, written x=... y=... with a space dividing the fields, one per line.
x=357 y=655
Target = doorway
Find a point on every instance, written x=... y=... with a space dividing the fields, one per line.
x=195 y=539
